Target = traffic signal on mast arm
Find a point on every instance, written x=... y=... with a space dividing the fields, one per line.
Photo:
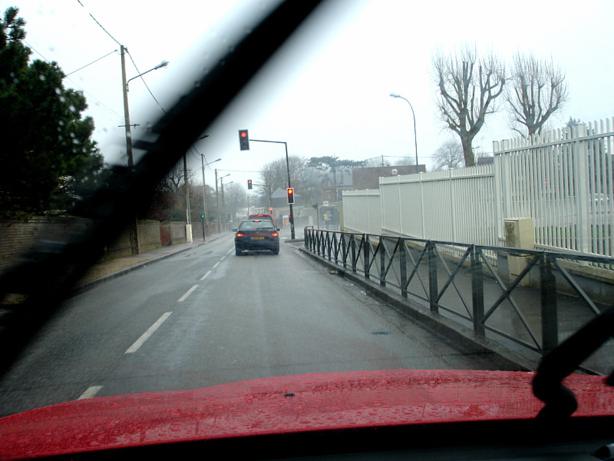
x=243 y=140
x=249 y=184
x=290 y=195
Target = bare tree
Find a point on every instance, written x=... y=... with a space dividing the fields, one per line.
x=449 y=156
x=536 y=91
x=235 y=199
x=468 y=87
x=274 y=175
x=174 y=179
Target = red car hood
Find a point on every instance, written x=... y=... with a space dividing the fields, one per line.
x=285 y=404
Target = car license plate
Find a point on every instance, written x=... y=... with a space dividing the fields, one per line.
x=257 y=238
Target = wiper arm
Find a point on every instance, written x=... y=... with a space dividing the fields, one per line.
x=47 y=276
x=559 y=400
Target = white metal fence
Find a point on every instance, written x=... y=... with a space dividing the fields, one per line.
x=455 y=205
x=362 y=211
x=563 y=179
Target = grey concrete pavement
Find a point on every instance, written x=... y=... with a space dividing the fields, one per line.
x=524 y=325
x=206 y=316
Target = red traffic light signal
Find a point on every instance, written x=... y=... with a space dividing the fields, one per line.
x=290 y=195
x=243 y=140
x=249 y=184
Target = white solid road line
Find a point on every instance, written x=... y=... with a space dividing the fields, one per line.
x=187 y=293
x=90 y=392
x=206 y=275
x=152 y=329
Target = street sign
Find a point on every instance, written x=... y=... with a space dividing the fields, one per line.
x=325 y=203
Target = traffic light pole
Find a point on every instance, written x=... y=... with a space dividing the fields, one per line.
x=292 y=234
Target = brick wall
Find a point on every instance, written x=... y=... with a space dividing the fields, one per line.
x=17 y=236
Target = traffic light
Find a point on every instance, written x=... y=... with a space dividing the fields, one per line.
x=243 y=140
x=249 y=184
x=290 y=195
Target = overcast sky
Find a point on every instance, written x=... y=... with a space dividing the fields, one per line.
x=327 y=93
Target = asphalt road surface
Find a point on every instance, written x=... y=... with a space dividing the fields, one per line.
x=207 y=317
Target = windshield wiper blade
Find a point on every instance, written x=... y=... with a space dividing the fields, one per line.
x=49 y=272
x=559 y=400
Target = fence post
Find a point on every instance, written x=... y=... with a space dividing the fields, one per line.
x=353 y=252
x=432 y=266
x=328 y=244
x=382 y=262
x=365 y=242
x=550 y=326
x=344 y=250
x=582 y=190
x=336 y=247
x=323 y=244
x=403 y=268
x=477 y=291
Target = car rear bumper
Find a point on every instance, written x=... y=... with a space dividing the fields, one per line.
x=248 y=244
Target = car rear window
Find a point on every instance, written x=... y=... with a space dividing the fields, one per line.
x=250 y=225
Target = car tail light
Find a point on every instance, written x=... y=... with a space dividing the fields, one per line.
x=239 y=235
x=274 y=234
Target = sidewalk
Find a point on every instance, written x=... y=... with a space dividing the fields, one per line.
x=111 y=268
x=455 y=305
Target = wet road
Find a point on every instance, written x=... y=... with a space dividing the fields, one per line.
x=207 y=317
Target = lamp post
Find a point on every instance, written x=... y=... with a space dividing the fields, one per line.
x=222 y=187
x=394 y=95
x=133 y=230
x=202 y=159
x=125 y=90
x=217 y=201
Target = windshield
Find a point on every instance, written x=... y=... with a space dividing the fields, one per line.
x=252 y=225
x=452 y=157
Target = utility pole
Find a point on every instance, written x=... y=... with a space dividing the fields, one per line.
x=133 y=234
x=217 y=204
x=188 y=222
x=202 y=159
x=223 y=204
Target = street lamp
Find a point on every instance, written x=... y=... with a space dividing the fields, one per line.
x=222 y=187
x=133 y=231
x=202 y=159
x=125 y=93
x=394 y=95
x=217 y=201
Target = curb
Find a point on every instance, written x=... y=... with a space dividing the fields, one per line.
x=93 y=283
x=456 y=333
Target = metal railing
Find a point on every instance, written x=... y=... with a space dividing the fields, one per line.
x=417 y=268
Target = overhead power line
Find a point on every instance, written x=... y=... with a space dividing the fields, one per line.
x=145 y=82
x=90 y=63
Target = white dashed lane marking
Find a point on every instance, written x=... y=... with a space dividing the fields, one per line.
x=152 y=329
x=90 y=392
x=187 y=293
x=206 y=275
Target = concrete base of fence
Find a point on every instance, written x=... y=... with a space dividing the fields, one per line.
x=451 y=330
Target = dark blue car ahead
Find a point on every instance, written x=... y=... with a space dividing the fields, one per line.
x=256 y=235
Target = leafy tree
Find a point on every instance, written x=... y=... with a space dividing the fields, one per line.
x=48 y=157
x=535 y=92
x=468 y=87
